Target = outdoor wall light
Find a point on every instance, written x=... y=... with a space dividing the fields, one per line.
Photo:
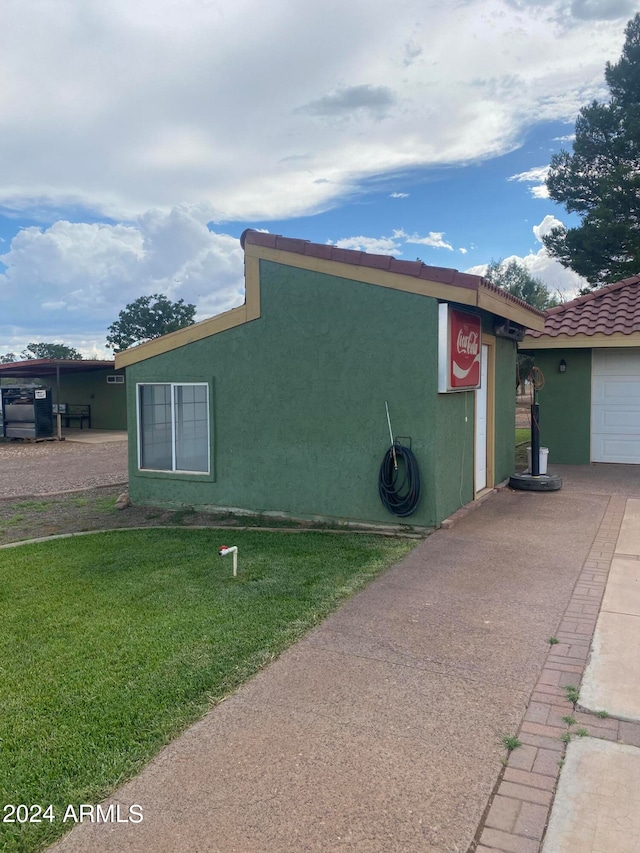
x=562 y=367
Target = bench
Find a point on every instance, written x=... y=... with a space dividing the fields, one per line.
x=77 y=412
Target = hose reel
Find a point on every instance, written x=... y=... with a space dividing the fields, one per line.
x=399 y=478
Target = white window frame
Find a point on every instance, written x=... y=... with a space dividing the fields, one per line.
x=173 y=469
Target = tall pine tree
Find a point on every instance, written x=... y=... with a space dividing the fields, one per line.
x=600 y=180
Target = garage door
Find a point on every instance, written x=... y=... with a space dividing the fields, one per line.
x=615 y=406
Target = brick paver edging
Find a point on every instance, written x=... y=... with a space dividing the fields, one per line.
x=518 y=811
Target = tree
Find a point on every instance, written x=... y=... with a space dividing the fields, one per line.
x=50 y=351
x=600 y=180
x=516 y=279
x=147 y=318
x=8 y=358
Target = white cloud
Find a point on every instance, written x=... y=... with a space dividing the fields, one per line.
x=374 y=245
x=162 y=117
x=435 y=239
x=559 y=280
x=536 y=176
x=121 y=107
x=539 y=191
x=463 y=251
x=546 y=226
x=393 y=245
x=79 y=276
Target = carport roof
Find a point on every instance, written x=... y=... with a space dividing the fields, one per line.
x=38 y=367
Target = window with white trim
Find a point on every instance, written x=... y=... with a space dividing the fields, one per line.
x=173 y=427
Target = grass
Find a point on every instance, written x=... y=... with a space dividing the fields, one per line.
x=511 y=742
x=523 y=438
x=112 y=644
x=35 y=506
x=572 y=693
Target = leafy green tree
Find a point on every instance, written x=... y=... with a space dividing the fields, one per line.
x=516 y=279
x=147 y=318
x=600 y=180
x=50 y=351
x=8 y=358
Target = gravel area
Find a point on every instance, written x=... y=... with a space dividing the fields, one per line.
x=48 y=467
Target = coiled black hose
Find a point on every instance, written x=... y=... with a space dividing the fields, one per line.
x=399 y=498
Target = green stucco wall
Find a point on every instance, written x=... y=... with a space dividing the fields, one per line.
x=298 y=414
x=505 y=411
x=565 y=405
x=108 y=402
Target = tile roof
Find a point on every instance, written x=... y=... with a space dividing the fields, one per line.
x=610 y=309
x=416 y=269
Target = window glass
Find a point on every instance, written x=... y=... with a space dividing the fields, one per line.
x=174 y=427
x=192 y=428
x=155 y=427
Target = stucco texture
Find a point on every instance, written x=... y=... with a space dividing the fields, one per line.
x=565 y=405
x=298 y=404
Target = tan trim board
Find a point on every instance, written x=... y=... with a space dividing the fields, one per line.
x=252 y=287
x=618 y=339
x=366 y=275
x=490 y=341
x=495 y=304
x=483 y=298
x=490 y=437
x=205 y=328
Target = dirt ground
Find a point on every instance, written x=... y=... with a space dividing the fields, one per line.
x=49 y=467
x=52 y=488
x=49 y=488
x=32 y=518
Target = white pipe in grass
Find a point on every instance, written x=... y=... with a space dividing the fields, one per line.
x=223 y=550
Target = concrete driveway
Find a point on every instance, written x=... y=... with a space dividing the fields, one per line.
x=382 y=730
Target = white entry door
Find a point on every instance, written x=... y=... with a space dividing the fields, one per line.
x=481 y=424
x=615 y=405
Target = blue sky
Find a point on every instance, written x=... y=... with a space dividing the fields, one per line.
x=482 y=210
x=138 y=140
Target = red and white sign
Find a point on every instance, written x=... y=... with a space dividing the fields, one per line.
x=465 y=334
x=460 y=349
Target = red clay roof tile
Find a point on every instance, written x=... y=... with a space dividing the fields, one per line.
x=385 y=262
x=318 y=250
x=610 y=309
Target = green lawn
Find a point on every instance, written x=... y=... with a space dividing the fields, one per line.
x=111 y=644
x=523 y=439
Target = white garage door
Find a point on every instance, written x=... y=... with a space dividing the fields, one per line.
x=615 y=406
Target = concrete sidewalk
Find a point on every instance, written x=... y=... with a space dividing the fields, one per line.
x=597 y=805
x=381 y=730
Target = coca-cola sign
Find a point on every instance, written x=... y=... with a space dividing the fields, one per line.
x=465 y=350
x=462 y=332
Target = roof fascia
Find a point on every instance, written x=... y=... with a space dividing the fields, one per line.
x=580 y=341
x=495 y=303
x=481 y=298
x=205 y=328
